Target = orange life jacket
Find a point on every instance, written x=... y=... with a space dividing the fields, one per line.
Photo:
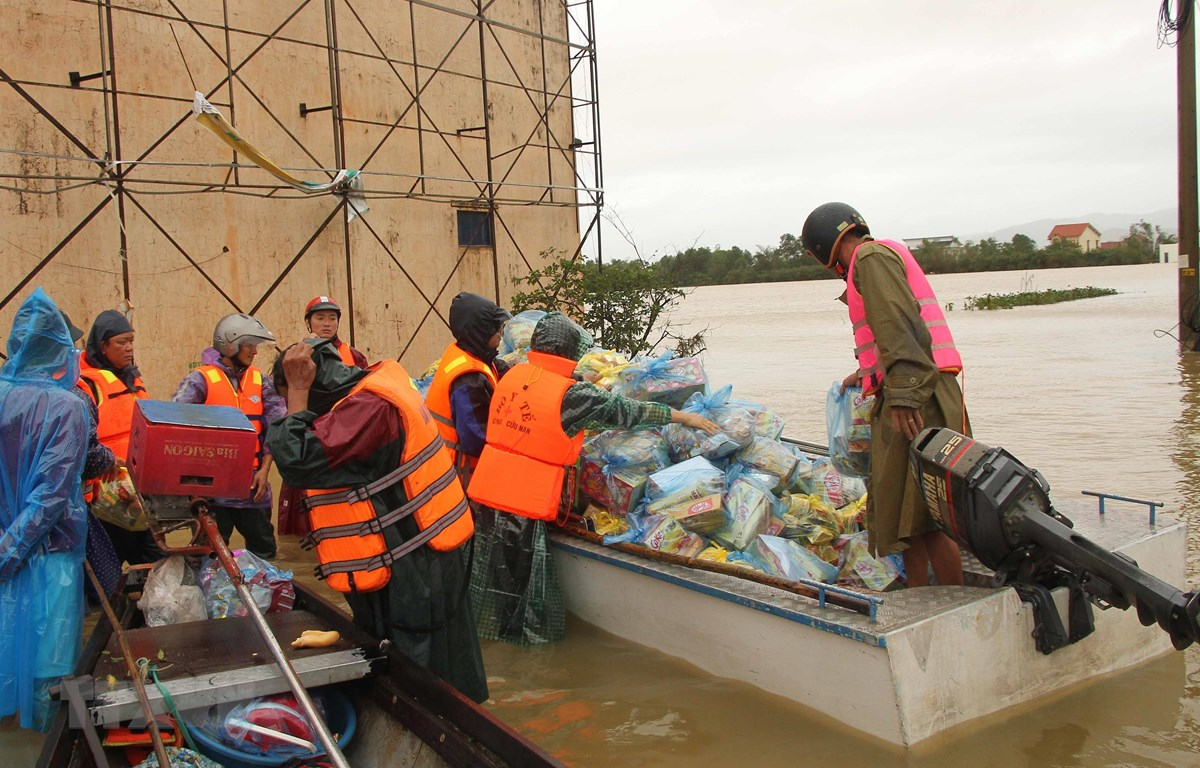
x=347 y=528
x=524 y=463
x=454 y=363
x=115 y=402
x=945 y=354
x=347 y=356
x=248 y=397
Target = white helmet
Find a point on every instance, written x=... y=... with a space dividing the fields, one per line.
x=234 y=330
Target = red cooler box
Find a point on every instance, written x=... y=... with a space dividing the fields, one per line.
x=179 y=449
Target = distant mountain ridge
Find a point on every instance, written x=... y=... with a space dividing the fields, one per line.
x=1112 y=226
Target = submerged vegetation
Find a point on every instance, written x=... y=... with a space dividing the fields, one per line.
x=1026 y=298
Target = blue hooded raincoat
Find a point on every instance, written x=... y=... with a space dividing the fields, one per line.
x=43 y=519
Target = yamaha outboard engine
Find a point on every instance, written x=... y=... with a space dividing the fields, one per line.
x=999 y=510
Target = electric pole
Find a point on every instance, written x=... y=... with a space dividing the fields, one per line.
x=1189 y=226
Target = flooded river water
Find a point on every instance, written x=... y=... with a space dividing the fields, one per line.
x=1092 y=393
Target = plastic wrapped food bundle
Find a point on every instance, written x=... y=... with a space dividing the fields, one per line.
x=515 y=336
x=834 y=488
x=270 y=587
x=698 y=477
x=808 y=519
x=701 y=515
x=774 y=525
x=604 y=522
x=666 y=379
x=770 y=457
x=171 y=594
x=802 y=478
x=850 y=516
x=857 y=566
x=787 y=559
x=661 y=533
x=602 y=367
x=749 y=506
x=714 y=553
x=116 y=501
x=736 y=423
x=691 y=492
x=848 y=422
x=614 y=466
x=767 y=423
x=618 y=489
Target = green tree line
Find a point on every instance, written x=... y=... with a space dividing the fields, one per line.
x=788 y=261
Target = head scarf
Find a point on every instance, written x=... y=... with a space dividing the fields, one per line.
x=474 y=320
x=109 y=323
x=39 y=347
x=334 y=379
x=557 y=334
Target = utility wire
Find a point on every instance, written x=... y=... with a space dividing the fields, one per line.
x=1171 y=26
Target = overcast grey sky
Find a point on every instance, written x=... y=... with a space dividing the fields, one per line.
x=725 y=123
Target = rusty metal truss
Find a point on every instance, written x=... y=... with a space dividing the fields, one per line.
x=130 y=174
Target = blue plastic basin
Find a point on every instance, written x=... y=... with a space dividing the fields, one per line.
x=339 y=716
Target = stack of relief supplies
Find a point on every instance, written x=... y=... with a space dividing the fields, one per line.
x=744 y=496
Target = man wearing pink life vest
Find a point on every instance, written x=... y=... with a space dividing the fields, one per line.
x=907 y=359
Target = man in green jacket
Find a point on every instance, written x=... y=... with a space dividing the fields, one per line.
x=915 y=391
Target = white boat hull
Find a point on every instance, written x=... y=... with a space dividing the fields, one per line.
x=937 y=657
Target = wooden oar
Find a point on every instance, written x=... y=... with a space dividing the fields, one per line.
x=160 y=749
x=862 y=606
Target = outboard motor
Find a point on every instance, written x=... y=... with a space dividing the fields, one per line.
x=1000 y=510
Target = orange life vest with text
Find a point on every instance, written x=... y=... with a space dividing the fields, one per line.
x=524 y=463
x=945 y=354
x=454 y=363
x=347 y=527
x=248 y=397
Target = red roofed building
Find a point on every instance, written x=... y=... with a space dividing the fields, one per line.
x=1085 y=236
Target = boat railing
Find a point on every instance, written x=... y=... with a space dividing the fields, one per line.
x=823 y=589
x=1102 y=497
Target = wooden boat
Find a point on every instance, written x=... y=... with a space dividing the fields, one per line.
x=405 y=715
x=921 y=662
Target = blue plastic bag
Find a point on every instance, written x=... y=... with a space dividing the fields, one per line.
x=736 y=423
x=270 y=587
x=848 y=422
x=515 y=336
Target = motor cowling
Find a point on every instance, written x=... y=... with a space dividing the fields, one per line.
x=1000 y=510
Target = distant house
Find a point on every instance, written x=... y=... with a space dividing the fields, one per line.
x=1111 y=244
x=1085 y=235
x=950 y=242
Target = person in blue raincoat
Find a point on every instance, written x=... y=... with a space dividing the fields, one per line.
x=43 y=518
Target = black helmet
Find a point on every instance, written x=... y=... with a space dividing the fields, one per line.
x=826 y=225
